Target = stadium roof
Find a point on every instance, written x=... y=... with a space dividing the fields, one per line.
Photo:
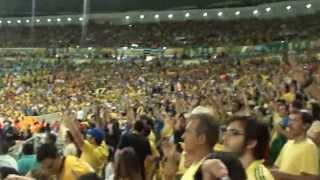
x=16 y=8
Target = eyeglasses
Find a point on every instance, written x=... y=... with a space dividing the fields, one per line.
x=232 y=132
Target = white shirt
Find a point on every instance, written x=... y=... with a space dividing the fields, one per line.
x=8 y=161
x=70 y=150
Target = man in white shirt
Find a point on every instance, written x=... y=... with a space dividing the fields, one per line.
x=5 y=159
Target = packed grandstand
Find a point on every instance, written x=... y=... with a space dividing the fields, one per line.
x=140 y=91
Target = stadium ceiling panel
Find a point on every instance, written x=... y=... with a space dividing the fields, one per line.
x=16 y=8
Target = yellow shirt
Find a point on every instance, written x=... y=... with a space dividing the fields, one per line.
x=276 y=120
x=300 y=157
x=152 y=137
x=192 y=170
x=167 y=131
x=74 y=168
x=182 y=167
x=257 y=171
x=218 y=147
x=94 y=155
x=288 y=97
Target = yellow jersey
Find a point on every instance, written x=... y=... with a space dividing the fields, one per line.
x=299 y=157
x=192 y=170
x=288 y=97
x=257 y=171
x=94 y=155
x=73 y=168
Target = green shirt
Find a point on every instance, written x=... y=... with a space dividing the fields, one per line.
x=27 y=163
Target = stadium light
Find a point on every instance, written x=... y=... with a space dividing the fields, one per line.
x=205 y=14
x=220 y=13
x=27 y=21
x=58 y=20
x=38 y=20
x=80 y=18
x=127 y=17
x=237 y=13
x=0 y=22
x=141 y=16
x=19 y=21
x=9 y=22
x=164 y=48
x=308 y=6
x=268 y=9
x=49 y=20
x=170 y=16
x=69 y=19
x=288 y=7
x=187 y=15
x=156 y=16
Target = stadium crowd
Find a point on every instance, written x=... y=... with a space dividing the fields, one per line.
x=170 y=34
x=248 y=119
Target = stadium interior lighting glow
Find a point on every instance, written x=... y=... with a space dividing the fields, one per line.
x=141 y=16
x=49 y=20
x=205 y=14
x=255 y=12
x=69 y=19
x=156 y=16
x=170 y=16
x=288 y=8
x=220 y=13
x=127 y=17
x=308 y=6
x=187 y=15
x=237 y=13
x=268 y=9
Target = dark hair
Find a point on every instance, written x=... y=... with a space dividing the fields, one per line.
x=297 y=104
x=69 y=136
x=306 y=117
x=52 y=138
x=287 y=87
x=28 y=149
x=285 y=106
x=138 y=126
x=315 y=111
x=4 y=146
x=6 y=171
x=47 y=151
x=235 y=169
x=127 y=165
x=255 y=131
x=89 y=176
x=281 y=101
x=147 y=120
x=208 y=126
